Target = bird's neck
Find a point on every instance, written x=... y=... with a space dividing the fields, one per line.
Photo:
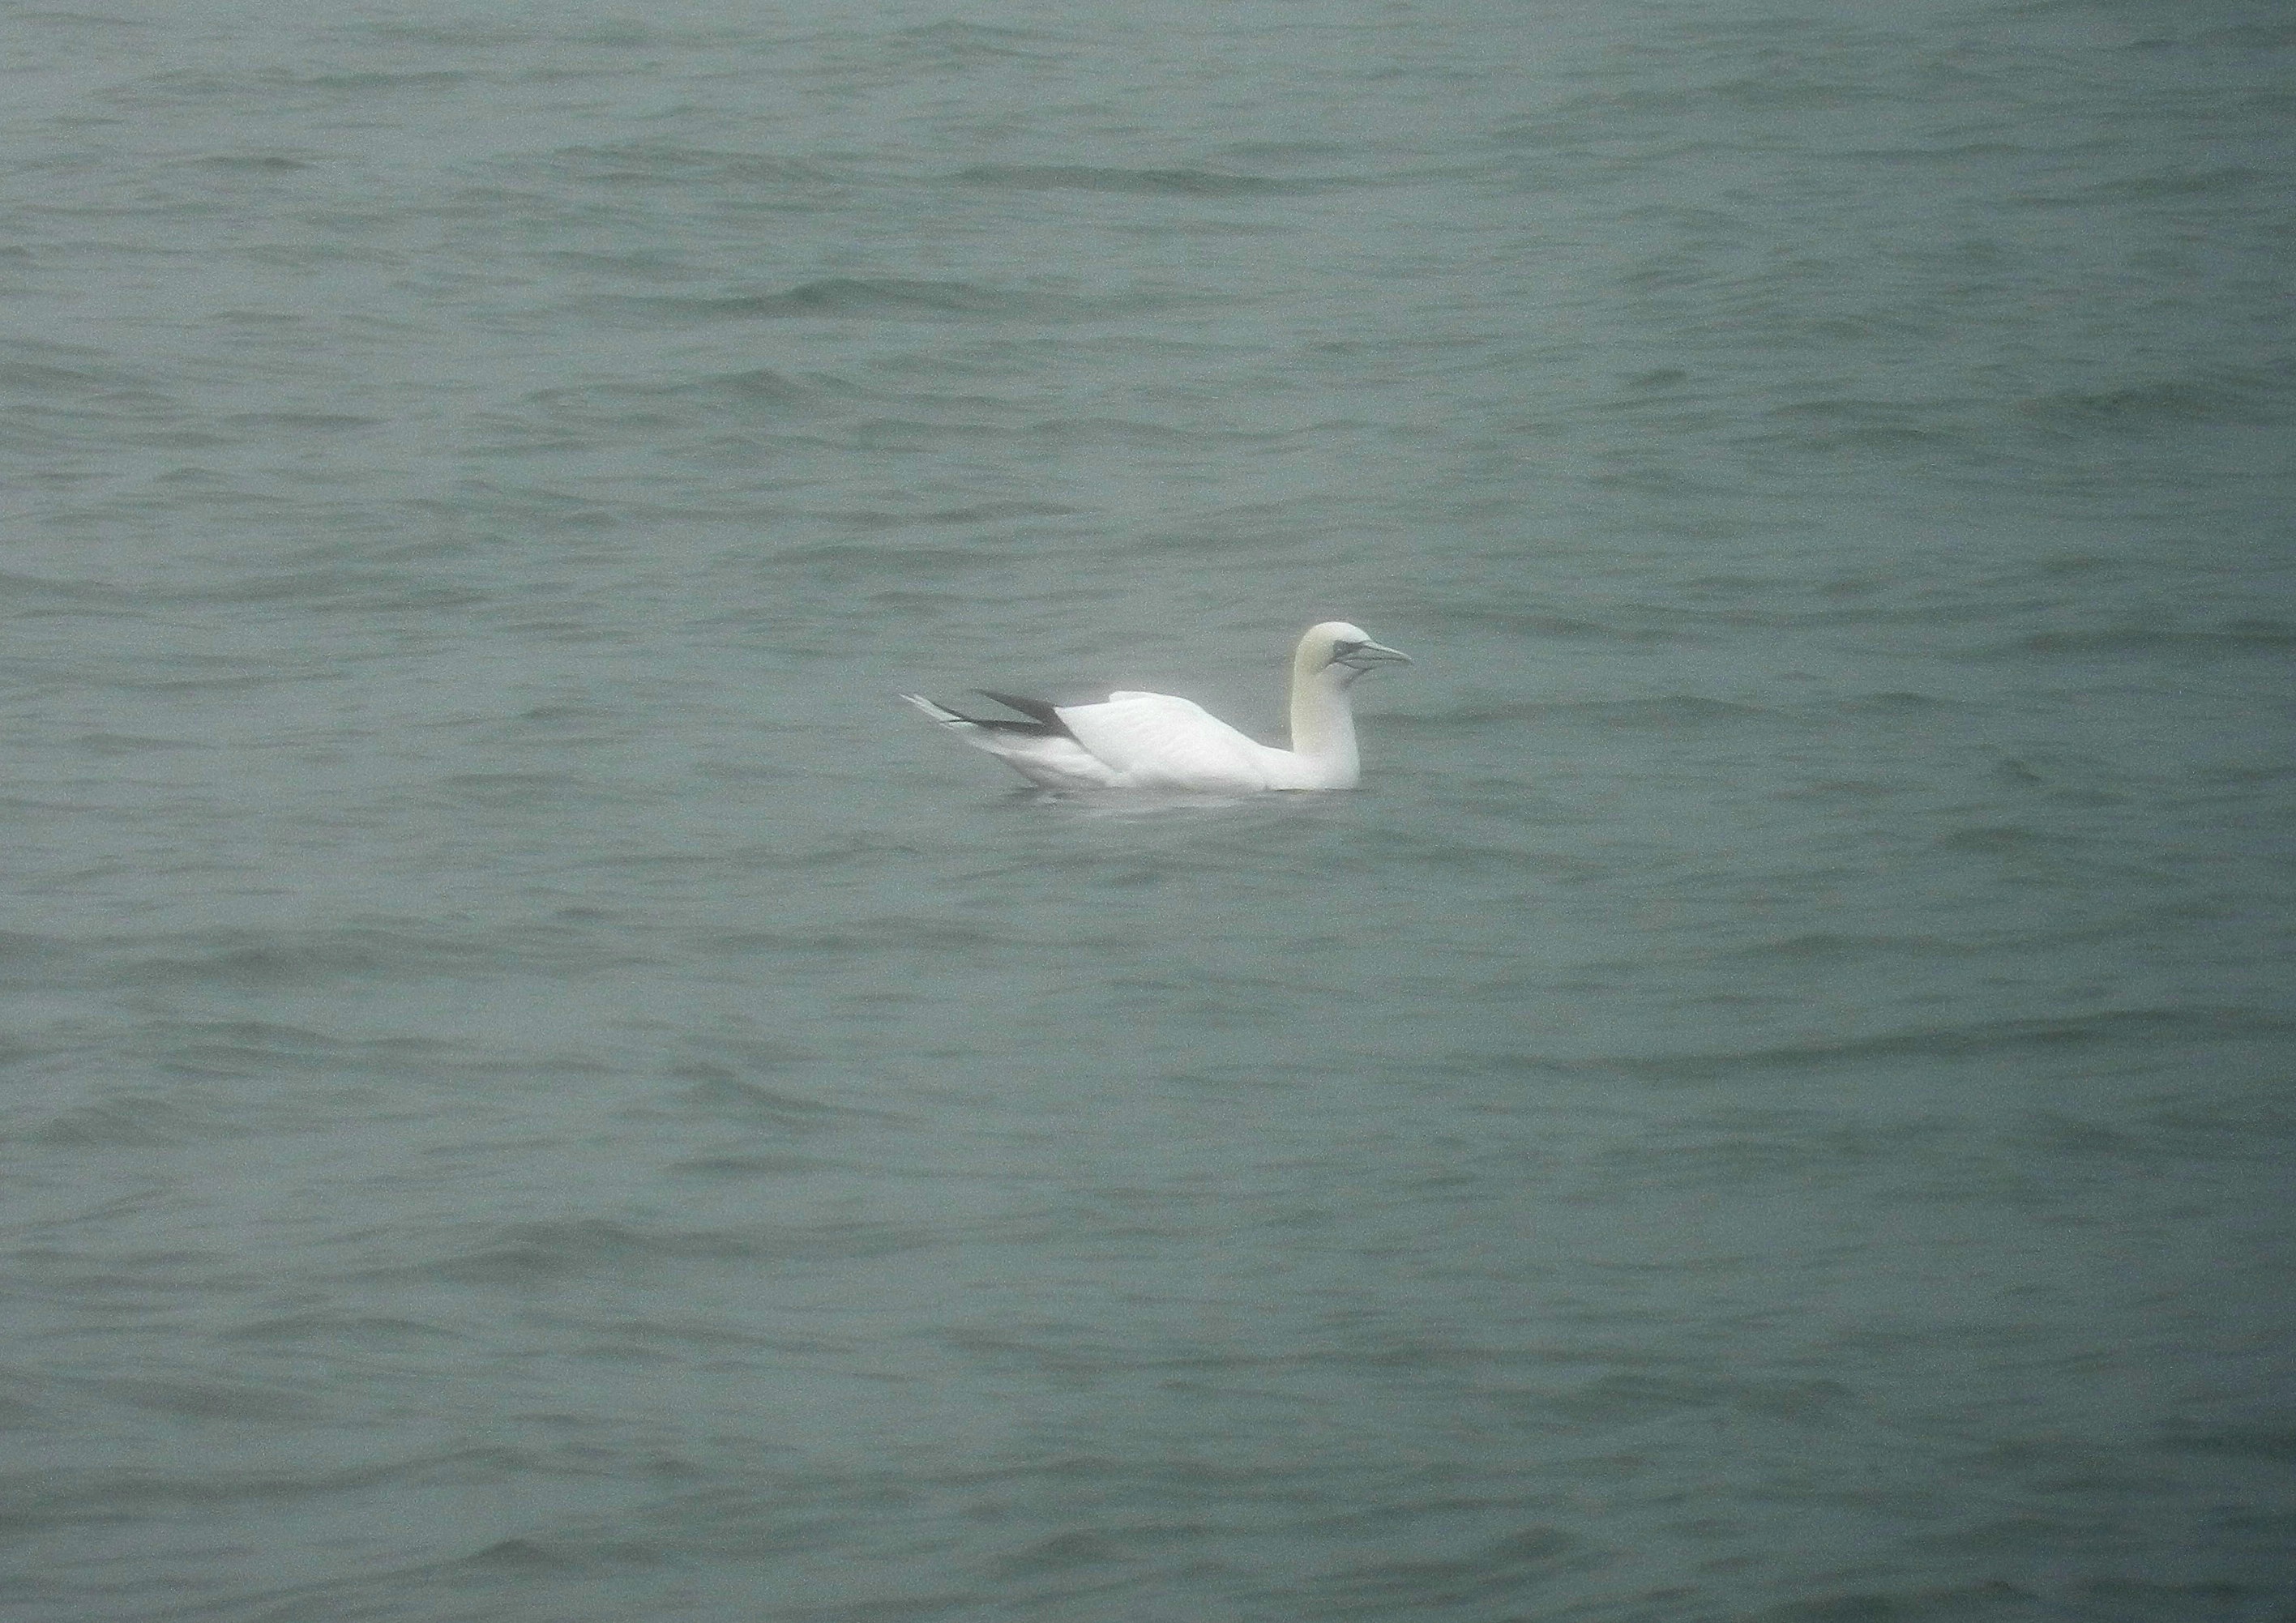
x=1323 y=724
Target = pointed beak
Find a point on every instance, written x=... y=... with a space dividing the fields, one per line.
x=1373 y=653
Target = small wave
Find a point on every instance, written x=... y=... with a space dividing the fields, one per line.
x=134 y=1120
x=295 y=959
x=329 y=422
x=75 y=371
x=1067 y=1552
x=1085 y=178
x=210 y=1399
x=752 y=385
x=104 y=745
x=1845 y=791
x=1896 y=703
x=1546 y=623
x=948 y=45
x=541 y=1560
x=291 y=958
x=851 y=296
x=1827 y=946
x=1952 y=154
x=1784 y=90
x=22 y=949
x=328 y=589
x=1679 y=712
x=2229 y=400
x=2238 y=638
x=236 y=1044
x=1493 y=1574
x=2231 y=177
x=102 y=22
x=2265 y=1441
x=369 y=1331
x=39 y=1498
x=721 y=1096
x=645 y=162
x=1132 y=433
x=2257 y=36
x=744 y=1167
x=2005 y=840
x=902 y=934
x=1854 y=424
x=255 y=163
x=1632 y=1398
x=2116 y=1027
x=978 y=512
x=371 y=80
x=529 y=1254
x=485 y=36
x=517 y=790
x=865 y=564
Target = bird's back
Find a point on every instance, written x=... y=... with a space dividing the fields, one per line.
x=1159 y=740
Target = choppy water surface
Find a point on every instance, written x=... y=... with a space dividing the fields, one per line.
x=534 y=1089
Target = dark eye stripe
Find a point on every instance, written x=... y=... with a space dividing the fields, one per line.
x=1341 y=648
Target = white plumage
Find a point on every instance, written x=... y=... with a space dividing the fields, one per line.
x=1157 y=741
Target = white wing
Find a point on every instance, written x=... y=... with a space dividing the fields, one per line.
x=1157 y=741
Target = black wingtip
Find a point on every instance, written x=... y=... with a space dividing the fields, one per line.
x=1046 y=714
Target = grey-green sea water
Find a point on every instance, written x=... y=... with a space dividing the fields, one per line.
x=533 y=1089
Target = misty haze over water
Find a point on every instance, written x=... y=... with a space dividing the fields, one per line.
x=536 y=1089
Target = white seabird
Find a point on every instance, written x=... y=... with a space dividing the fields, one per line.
x=1157 y=741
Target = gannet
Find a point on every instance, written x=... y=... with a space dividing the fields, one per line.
x=1158 y=740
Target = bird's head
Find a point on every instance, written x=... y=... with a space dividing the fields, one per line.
x=1336 y=645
